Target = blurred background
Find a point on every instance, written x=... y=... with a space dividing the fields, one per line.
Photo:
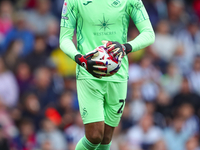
x=38 y=100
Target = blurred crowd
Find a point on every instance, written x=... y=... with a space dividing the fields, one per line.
x=38 y=99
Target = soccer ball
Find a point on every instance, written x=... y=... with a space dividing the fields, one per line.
x=112 y=63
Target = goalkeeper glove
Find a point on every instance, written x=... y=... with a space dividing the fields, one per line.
x=118 y=50
x=96 y=68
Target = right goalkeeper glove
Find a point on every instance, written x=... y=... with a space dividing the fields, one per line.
x=118 y=50
x=96 y=68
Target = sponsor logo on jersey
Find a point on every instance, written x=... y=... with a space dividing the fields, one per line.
x=104 y=24
x=66 y=18
x=116 y=3
x=104 y=33
x=64 y=11
x=87 y=3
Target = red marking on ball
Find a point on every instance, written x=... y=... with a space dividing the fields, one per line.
x=101 y=50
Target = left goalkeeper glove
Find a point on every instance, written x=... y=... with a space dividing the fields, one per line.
x=96 y=68
x=119 y=50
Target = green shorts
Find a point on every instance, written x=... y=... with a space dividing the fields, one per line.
x=101 y=101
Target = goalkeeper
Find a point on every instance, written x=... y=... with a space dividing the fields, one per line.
x=102 y=100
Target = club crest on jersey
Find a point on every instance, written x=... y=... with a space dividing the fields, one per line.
x=84 y=113
x=138 y=4
x=116 y=3
x=64 y=8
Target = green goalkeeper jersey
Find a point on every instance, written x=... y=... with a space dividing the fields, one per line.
x=97 y=20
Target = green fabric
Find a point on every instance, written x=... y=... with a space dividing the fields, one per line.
x=84 y=144
x=146 y=38
x=103 y=20
x=80 y=146
x=104 y=147
x=101 y=101
x=66 y=43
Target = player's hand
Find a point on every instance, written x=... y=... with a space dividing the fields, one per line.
x=96 y=68
x=118 y=50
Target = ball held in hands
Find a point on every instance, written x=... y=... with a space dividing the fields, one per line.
x=112 y=63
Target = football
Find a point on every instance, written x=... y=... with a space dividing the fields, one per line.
x=112 y=63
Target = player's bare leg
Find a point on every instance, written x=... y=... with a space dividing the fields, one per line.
x=99 y=133
x=106 y=142
x=97 y=137
x=108 y=132
x=95 y=132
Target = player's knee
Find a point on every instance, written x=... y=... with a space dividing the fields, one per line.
x=95 y=137
x=106 y=139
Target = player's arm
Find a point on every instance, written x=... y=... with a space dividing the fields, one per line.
x=146 y=37
x=68 y=47
x=140 y=17
x=68 y=24
x=66 y=44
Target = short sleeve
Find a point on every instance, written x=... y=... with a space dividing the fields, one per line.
x=69 y=14
x=137 y=11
